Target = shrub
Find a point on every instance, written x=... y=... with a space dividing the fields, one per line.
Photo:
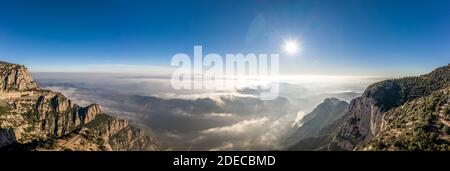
x=446 y=130
x=446 y=111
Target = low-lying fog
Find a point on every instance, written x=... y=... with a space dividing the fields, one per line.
x=200 y=119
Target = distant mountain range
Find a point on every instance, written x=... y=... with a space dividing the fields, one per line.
x=32 y=118
x=400 y=114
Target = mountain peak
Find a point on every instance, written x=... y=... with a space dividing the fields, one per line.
x=4 y=63
x=37 y=119
x=332 y=100
x=15 y=78
x=441 y=74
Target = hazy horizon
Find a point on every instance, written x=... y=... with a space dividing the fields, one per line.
x=334 y=37
x=229 y=119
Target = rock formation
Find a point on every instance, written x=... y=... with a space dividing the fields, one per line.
x=366 y=113
x=30 y=115
x=397 y=114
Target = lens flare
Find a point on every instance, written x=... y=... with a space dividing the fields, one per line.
x=291 y=47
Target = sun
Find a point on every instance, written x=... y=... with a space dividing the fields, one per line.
x=291 y=47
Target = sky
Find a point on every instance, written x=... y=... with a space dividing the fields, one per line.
x=337 y=37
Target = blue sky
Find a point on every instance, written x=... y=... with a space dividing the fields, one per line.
x=338 y=37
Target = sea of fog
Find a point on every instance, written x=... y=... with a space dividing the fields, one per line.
x=229 y=119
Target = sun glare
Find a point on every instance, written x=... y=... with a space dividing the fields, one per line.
x=291 y=47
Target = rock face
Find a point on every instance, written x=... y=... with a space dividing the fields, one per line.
x=363 y=123
x=421 y=124
x=366 y=113
x=15 y=78
x=399 y=114
x=120 y=135
x=29 y=114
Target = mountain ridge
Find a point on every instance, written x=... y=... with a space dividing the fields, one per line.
x=33 y=118
x=419 y=124
x=370 y=117
x=327 y=112
x=367 y=112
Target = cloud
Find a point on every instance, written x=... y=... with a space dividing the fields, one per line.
x=73 y=93
x=220 y=114
x=107 y=68
x=252 y=134
x=238 y=128
x=234 y=119
x=225 y=146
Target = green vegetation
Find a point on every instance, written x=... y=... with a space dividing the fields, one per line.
x=4 y=109
x=446 y=130
x=392 y=93
x=33 y=145
x=414 y=126
x=446 y=111
x=99 y=121
x=323 y=141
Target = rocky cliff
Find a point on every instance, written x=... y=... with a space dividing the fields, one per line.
x=400 y=114
x=366 y=113
x=31 y=116
x=422 y=124
x=15 y=78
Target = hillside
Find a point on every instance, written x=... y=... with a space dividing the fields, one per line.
x=32 y=118
x=367 y=112
x=398 y=114
x=322 y=141
x=330 y=110
x=421 y=124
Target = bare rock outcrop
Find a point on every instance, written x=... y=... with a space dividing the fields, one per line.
x=29 y=114
x=15 y=78
x=364 y=122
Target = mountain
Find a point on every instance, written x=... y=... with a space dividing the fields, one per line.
x=420 y=124
x=366 y=113
x=330 y=110
x=323 y=140
x=397 y=114
x=32 y=118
